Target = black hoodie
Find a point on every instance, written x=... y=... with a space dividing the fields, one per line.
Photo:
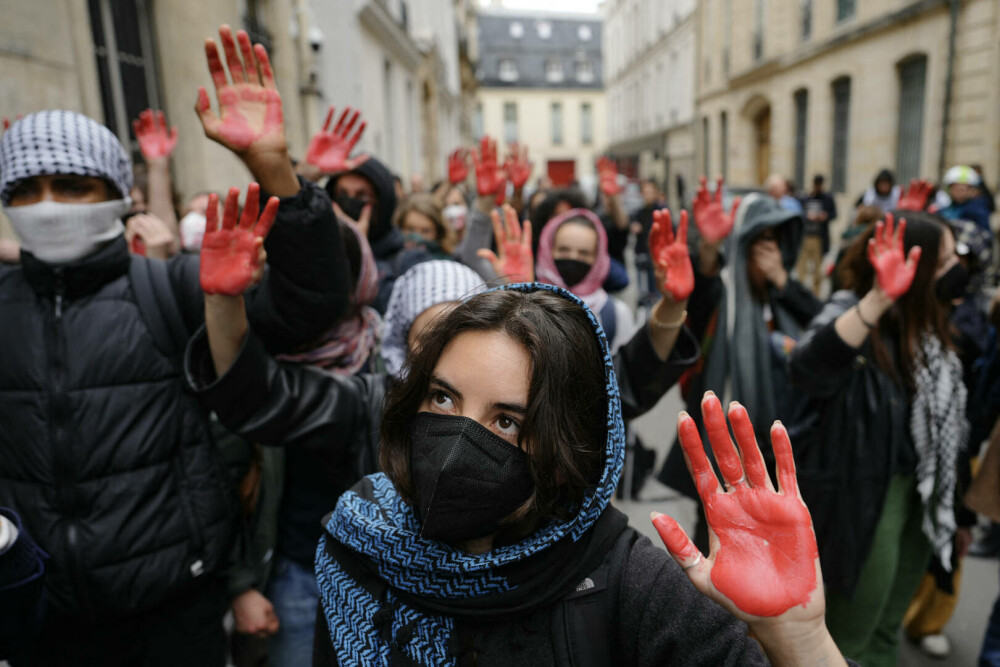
x=385 y=239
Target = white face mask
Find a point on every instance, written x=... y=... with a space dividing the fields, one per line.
x=192 y=231
x=58 y=233
x=455 y=214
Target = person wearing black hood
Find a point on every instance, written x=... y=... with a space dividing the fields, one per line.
x=883 y=192
x=370 y=185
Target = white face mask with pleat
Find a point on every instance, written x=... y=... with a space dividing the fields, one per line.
x=58 y=233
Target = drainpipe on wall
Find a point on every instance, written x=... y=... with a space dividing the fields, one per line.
x=949 y=82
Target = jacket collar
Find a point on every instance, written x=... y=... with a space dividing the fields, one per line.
x=79 y=278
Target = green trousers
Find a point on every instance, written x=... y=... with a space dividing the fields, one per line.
x=866 y=628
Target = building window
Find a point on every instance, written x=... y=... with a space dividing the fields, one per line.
x=477 y=122
x=727 y=35
x=807 y=19
x=553 y=71
x=586 y=124
x=517 y=30
x=508 y=70
x=758 y=29
x=706 y=147
x=845 y=9
x=584 y=71
x=801 y=127
x=841 y=117
x=557 y=124
x=724 y=141
x=509 y=122
x=544 y=29
x=123 y=49
x=584 y=33
x=912 y=84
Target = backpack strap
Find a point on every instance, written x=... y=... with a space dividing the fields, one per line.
x=609 y=319
x=583 y=629
x=158 y=305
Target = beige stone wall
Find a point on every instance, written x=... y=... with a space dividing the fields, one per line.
x=47 y=60
x=867 y=49
x=535 y=125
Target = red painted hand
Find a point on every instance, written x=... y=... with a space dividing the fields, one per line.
x=458 y=166
x=713 y=223
x=518 y=166
x=330 y=150
x=489 y=176
x=516 y=264
x=232 y=258
x=250 y=118
x=155 y=140
x=674 y=273
x=608 y=175
x=6 y=121
x=764 y=561
x=885 y=252
x=915 y=196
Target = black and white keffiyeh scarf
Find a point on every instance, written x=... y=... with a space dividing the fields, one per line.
x=940 y=432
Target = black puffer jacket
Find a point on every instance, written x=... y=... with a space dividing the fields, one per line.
x=102 y=453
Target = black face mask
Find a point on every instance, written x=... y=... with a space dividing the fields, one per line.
x=952 y=284
x=351 y=206
x=572 y=271
x=467 y=479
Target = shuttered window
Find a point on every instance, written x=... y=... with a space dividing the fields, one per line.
x=841 y=117
x=801 y=124
x=845 y=9
x=724 y=142
x=706 y=147
x=912 y=80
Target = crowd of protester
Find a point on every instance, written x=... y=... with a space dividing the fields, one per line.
x=380 y=425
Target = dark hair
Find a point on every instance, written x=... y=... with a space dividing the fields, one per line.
x=564 y=428
x=546 y=210
x=915 y=312
x=819 y=179
x=353 y=251
x=428 y=206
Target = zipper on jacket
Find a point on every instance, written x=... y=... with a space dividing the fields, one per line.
x=69 y=499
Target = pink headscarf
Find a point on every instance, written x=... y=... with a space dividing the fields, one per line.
x=590 y=289
x=346 y=347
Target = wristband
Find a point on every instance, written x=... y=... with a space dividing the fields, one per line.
x=656 y=324
x=871 y=327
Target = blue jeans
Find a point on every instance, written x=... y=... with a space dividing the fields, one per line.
x=295 y=595
x=989 y=655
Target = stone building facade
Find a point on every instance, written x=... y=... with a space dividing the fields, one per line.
x=845 y=88
x=650 y=50
x=541 y=84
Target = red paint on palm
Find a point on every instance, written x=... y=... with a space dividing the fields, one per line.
x=894 y=271
x=231 y=256
x=713 y=222
x=915 y=196
x=516 y=262
x=155 y=140
x=766 y=559
x=671 y=254
x=518 y=165
x=608 y=176
x=250 y=113
x=489 y=177
x=330 y=150
x=458 y=166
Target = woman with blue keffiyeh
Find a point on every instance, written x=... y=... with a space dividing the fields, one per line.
x=489 y=539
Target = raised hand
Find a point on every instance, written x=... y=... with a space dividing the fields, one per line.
x=607 y=173
x=516 y=263
x=518 y=166
x=250 y=118
x=764 y=562
x=885 y=251
x=915 y=196
x=232 y=258
x=148 y=235
x=674 y=273
x=490 y=179
x=713 y=223
x=155 y=140
x=330 y=150
x=458 y=166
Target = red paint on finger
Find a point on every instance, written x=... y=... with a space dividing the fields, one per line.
x=718 y=436
x=675 y=539
x=753 y=462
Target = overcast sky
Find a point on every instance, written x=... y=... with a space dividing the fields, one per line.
x=575 y=6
